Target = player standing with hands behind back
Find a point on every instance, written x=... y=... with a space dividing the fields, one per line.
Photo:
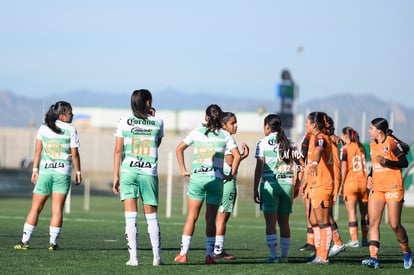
x=56 y=151
x=136 y=171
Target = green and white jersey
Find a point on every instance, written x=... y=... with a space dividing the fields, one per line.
x=274 y=166
x=208 y=157
x=140 y=152
x=56 y=155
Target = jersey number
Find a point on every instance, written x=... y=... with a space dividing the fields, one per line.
x=204 y=152
x=140 y=147
x=53 y=149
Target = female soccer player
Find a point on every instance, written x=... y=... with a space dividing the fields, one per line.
x=276 y=157
x=138 y=137
x=321 y=189
x=229 y=123
x=206 y=177
x=56 y=151
x=354 y=184
x=388 y=156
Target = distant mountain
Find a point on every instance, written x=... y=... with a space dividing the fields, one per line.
x=17 y=111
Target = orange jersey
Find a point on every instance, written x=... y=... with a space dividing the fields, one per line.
x=356 y=166
x=386 y=178
x=325 y=173
x=308 y=147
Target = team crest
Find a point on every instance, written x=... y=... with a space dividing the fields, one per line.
x=385 y=149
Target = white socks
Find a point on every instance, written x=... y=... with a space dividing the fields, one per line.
x=185 y=244
x=284 y=246
x=54 y=233
x=131 y=233
x=154 y=233
x=271 y=241
x=28 y=230
x=218 y=246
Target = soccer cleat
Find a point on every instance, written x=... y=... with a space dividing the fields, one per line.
x=336 y=249
x=319 y=261
x=210 y=260
x=53 y=247
x=282 y=260
x=307 y=247
x=132 y=262
x=365 y=243
x=157 y=261
x=352 y=243
x=223 y=255
x=371 y=262
x=270 y=260
x=180 y=258
x=408 y=262
x=22 y=246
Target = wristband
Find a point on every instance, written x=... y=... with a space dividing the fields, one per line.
x=315 y=163
x=35 y=170
x=78 y=173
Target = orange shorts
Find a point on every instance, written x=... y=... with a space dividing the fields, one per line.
x=395 y=195
x=321 y=196
x=355 y=191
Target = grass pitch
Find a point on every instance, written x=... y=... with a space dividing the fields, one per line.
x=92 y=242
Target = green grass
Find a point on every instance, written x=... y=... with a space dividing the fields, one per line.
x=93 y=243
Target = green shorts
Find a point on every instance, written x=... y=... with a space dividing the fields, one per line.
x=276 y=197
x=52 y=183
x=133 y=186
x=206 y=188
x=229 y=196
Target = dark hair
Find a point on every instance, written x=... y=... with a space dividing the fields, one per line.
x=275 y=124
x=320 y=119
x=214 y=115
x=329 y=126
x=382 y=124
x=59 y=108
x=226 y=116
x=353 y=137
x=139 y=100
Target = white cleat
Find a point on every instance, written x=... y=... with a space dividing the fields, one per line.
x=132 y=262
x=336 y=249
x=157 y=261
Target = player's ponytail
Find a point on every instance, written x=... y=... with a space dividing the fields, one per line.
x=275 y=124
x=214 y=115
x=59 y=108
x=382 y=124
x=354 y=137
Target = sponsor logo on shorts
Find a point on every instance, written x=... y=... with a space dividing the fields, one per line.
x=391 y=195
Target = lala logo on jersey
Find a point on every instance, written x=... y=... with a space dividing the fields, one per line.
x=385 y=149
x=140 y=164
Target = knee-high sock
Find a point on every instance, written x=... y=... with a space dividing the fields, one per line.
x=218 y=246
x=335 y=234
x=210 y=241
x=326 y=238
x=353 y=230
x=373 y=249
x=284 y=246
x=271 y=241
x=185 y=244
x=317 y=239
x=131 y=233
x=154 y=233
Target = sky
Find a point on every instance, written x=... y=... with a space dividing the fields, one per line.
x=236 y=48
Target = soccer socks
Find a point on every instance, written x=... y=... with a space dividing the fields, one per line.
x=373 y=249
x=317 y=239
x=335 y=234
x=309 y=236
x=364 y=229
x=154 y=233
x=218 y=246
x=54 y=233
x=185 y=244
x=210 y=241
x=131 y=233
x=326 y=238
x=271 y=241
x=284 y=247
x=353 y=230
x=28 y=230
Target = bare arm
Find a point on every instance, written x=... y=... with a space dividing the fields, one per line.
x=36 y=160
x=77 y=164
x=257 y=177
x=119 y=148
x=179 y=151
